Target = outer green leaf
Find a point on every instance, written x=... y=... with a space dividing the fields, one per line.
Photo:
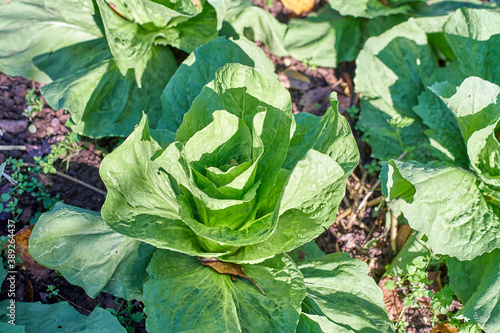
x=179 y=284
x=476 y=106
x=11 y=328
x=476 y=283
x=199 y=69
x=244 y=19
x=390 y=85
x=324 y=39
x=63 y=238
x=447 y=206
x=370 y=8
x=141 y=202
x=315 y=168
x=132 y=28
x=316 y=140
x=3 y=274
x=307 y=251
x=59 y=317
x=472 y=35
x=35 y=33
x=102 y=102
x=341 y=297
x=390 y=75
x=443 y=129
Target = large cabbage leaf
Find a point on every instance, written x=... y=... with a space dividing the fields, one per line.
x=184 y=295
x=103 y=102
x=63 y=238
x=341 y=297
x=476 y=284
x=58 y=317
x=133 y=27
x=244 y=180
x=46 y=40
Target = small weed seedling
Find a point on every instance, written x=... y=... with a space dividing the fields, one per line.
x=414 y=285
x=372 y=168
x=52 y=290
x=64 y=150
x=353 y=112
x=35 y=105
x=125 y=314
x=25 y=183
x=4 y=241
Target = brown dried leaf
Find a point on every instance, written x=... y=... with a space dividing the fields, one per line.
x=25 y=291
x=293 y=74
x=228 y=268
x=444 y=328
x=392 y=302
x=313 y=97
x=22 y=238
x=435 y=277
x=299 y=6
x=403 y=233
x=292 y=83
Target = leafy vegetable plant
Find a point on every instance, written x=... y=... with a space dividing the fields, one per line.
x=449 y=187
x=398 y=107
x=104 y=61
x=197 y=225
x=337 y=31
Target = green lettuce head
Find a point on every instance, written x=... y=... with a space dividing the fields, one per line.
x=243 y=180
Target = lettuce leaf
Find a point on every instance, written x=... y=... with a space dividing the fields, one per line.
x=476 y=285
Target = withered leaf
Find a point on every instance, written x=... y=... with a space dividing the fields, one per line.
x=22 y=238
x=229 y=269
x=444 y=328
x=392 y=302
x=299 y=6
x=403 y=233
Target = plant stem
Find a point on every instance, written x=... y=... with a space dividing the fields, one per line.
x=13 y=147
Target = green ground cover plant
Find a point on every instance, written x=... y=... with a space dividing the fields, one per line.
x=438 y=104
x=228 y=191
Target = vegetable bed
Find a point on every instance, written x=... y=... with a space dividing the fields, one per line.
x=227 y=166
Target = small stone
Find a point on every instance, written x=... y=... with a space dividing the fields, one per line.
x=55 y=122
x=13 y=126
x=49 y=130
x=18 y=100
x=15 y=153
x=9 y=102
x=2 y=158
